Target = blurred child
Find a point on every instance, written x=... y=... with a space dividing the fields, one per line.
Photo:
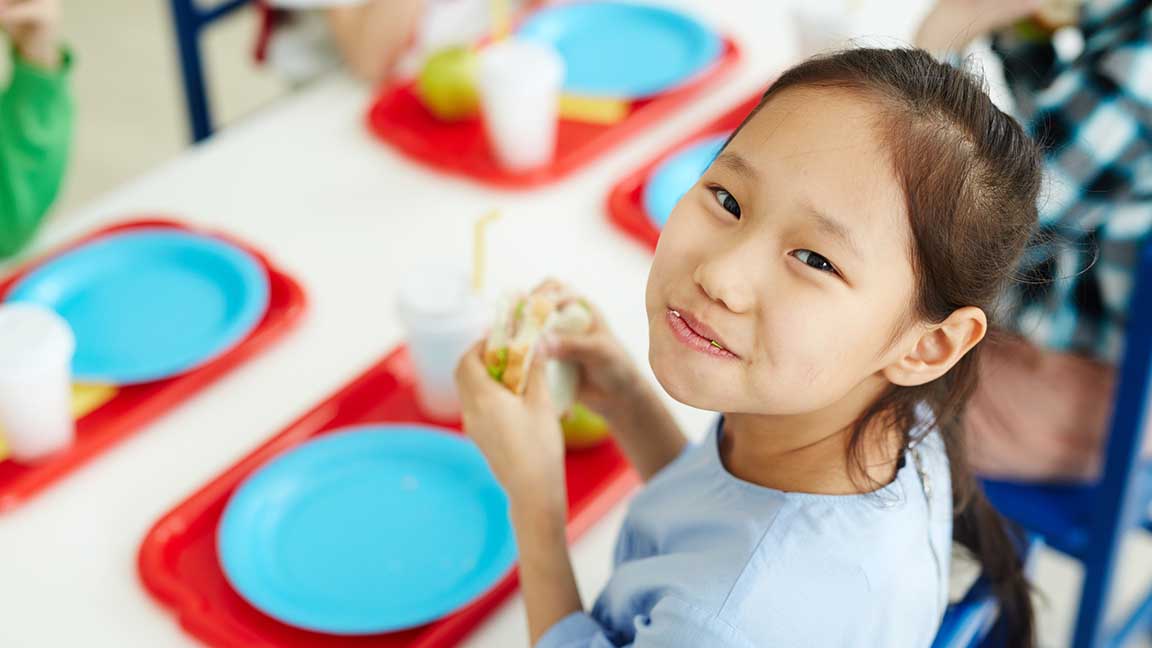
x=1043 y=407
x=825 y=290
x=35 y=120
x=302 y=39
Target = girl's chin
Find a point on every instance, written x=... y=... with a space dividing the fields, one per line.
x=688 y=380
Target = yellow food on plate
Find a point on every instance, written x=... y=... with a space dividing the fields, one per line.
x=593 y=110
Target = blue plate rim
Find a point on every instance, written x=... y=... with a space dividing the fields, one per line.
x=383 y=429
x=254 y=279
x=707 y=54
x=663 y=162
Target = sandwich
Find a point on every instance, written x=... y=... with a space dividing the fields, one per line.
x=516 y=332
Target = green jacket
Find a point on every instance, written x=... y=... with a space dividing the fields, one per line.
x=35 y=137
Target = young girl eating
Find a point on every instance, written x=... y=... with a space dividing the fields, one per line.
x=824 y=287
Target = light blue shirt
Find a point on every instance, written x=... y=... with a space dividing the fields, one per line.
x=707 y=559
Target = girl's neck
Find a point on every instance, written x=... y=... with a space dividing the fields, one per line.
x=808 y=453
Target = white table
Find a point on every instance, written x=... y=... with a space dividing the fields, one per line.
x=346 y=215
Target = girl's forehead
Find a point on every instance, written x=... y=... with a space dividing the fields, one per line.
x=816 y=123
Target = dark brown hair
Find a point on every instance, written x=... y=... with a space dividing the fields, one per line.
x=970 y=176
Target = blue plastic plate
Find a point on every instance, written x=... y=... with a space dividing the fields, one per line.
x=150 y=304
x=676 y=175
x=368 y=530
x=621 y=50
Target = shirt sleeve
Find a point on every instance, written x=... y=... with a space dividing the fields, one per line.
x=671 y=623
x=36 y=116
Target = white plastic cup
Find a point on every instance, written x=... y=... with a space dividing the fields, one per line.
x=443 y=318
x=36 y=347
x=519 y=83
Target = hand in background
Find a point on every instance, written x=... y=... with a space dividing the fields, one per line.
x=952 y=24
x=34 y=26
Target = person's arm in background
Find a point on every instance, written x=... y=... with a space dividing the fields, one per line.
x=952 y=24
x=371 y=35
x=1027 y=54
x=35 y=120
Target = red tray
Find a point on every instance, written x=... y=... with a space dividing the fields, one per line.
x=179 y=565
x=626 y=200
x=461 y=148
x=135 y=406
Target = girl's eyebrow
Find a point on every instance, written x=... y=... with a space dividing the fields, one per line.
x=834 y=228
x=735 y=163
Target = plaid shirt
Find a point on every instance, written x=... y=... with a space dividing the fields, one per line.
x=1093 y=115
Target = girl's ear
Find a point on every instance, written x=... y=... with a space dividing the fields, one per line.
x=934 y=350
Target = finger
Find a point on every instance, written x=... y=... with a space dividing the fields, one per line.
x=25 y=13
x=537 y=391
x=598 y=321
x=551 y=284
x=591 y=347
x=471 y=371
x=565 y=293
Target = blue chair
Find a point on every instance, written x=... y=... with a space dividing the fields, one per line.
x=190 y=20
x=972 y=621
x=969 y=621
x=1087 y=522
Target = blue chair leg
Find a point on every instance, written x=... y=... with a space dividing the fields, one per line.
x=1121 y=502
x=187 y=23
x=1094 y=595
x=189 y=20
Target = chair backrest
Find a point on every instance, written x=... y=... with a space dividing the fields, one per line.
x=1116 y=508
x=1122 y=490
x=189 y=19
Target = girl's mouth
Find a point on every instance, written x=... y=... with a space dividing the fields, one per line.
x=682 y=326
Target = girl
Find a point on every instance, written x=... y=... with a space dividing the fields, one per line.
x=824 y=286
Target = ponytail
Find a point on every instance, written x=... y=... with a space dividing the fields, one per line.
x=999 y=547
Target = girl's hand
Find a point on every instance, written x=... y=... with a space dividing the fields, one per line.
x=608 y=377
x=34 y=28
x=952 y=24
x=519 y=435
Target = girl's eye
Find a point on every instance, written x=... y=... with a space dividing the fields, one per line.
x=813 y=260
x=727 y=201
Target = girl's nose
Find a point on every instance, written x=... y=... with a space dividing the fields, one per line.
x=729 y=277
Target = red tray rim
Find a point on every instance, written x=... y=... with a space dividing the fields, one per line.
x=193 y=613
x=176 y=390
